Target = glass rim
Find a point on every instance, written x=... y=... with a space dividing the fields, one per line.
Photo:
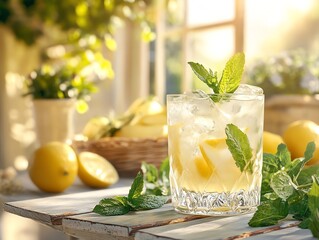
x=219 y=94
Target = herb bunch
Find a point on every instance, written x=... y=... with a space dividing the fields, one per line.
x=289 y=189
x=230 y=79
x=156 y=180
x=141 y=196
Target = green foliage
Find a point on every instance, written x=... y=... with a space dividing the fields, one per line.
x=156 y=180
x=289 y=188
x=28 y=19
x=74 y=33
x=62 y=83
x=292 y=72
x=134 y=201
x=238 y=144
x=230 y=79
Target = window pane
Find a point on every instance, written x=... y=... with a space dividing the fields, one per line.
x=175 y=13
x=201 y=12
x=173 y=64
x=211 y=48
x=293 y=24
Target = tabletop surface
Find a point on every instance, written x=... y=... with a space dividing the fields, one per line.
x=72 y=214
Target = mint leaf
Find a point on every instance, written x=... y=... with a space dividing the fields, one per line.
x=310 y=149
x=282 y=184
x=156 y=181
x=298 y=206
x=313 y=195
x=295 y=167
x=305 y=176
x=120 y=205
x=205 y=76
x=136 y=187
x=283 y=155
x=269 y=213
x=145 y=202
x=232 y=74
x=314 y=224
x=150 y=172
x=238 y=144
x=111 y=207
x=313 y=203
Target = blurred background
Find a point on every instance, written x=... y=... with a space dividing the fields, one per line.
x=128 y=49
x=107 y=53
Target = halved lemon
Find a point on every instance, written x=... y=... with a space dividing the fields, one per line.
x=95 y=171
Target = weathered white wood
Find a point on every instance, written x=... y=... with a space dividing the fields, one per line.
x=288 y=233
x=51 y=210
x=206 y=228
x=123 y=225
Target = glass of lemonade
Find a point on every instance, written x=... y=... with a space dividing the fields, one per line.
x=205 y=178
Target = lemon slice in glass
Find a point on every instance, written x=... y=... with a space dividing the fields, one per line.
x=95 y=171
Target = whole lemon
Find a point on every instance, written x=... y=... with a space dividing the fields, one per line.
x=54 y=167
x=271 y=142
x=298 y=134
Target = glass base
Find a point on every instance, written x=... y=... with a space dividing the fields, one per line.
x=216 y=204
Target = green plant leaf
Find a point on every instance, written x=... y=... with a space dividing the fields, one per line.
x=269 y=213
x=136 y=187
x=313 y=203
x=238 y=144
x=207 y=77
x=283 y=155
x=305 y=176
x=111 y=207
x=282 y=184
x=232 y=74
x=145 y=202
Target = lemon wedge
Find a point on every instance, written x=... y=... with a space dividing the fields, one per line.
x=95 y=171
x=204 y=168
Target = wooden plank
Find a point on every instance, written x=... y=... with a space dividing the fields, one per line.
x=207 y=228
x=51 y=210
x=123 y=226
x=288 y=233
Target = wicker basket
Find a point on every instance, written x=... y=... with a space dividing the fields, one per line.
x=280 y=110
x=127 y=154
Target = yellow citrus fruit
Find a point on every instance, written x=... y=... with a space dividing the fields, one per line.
x=271 y=142
x=54 y=167
x=95 y=171
x=205 y=168
x=298 y=134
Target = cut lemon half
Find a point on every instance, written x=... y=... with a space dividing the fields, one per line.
x=95 y=171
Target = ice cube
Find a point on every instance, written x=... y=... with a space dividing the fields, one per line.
x=249 y=90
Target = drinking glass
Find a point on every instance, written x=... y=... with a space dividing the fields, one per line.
x=204 y=176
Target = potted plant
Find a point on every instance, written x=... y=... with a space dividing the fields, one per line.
x=291 y=85
x=56 y=93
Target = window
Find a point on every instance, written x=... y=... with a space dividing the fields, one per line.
x=203 y=31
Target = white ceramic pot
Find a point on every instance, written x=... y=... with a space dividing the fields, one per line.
x=54 y=119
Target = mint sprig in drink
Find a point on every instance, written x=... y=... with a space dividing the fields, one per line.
x=215 y=143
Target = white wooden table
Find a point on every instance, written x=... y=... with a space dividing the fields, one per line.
x=72 y=214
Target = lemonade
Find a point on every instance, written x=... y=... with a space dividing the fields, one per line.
x=205 y=178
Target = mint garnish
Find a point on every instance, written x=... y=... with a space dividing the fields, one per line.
x=230 y=79
x=289 y=188
x=135 y=200
x=232 y=74
x=238 y=144
x=207 y=76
